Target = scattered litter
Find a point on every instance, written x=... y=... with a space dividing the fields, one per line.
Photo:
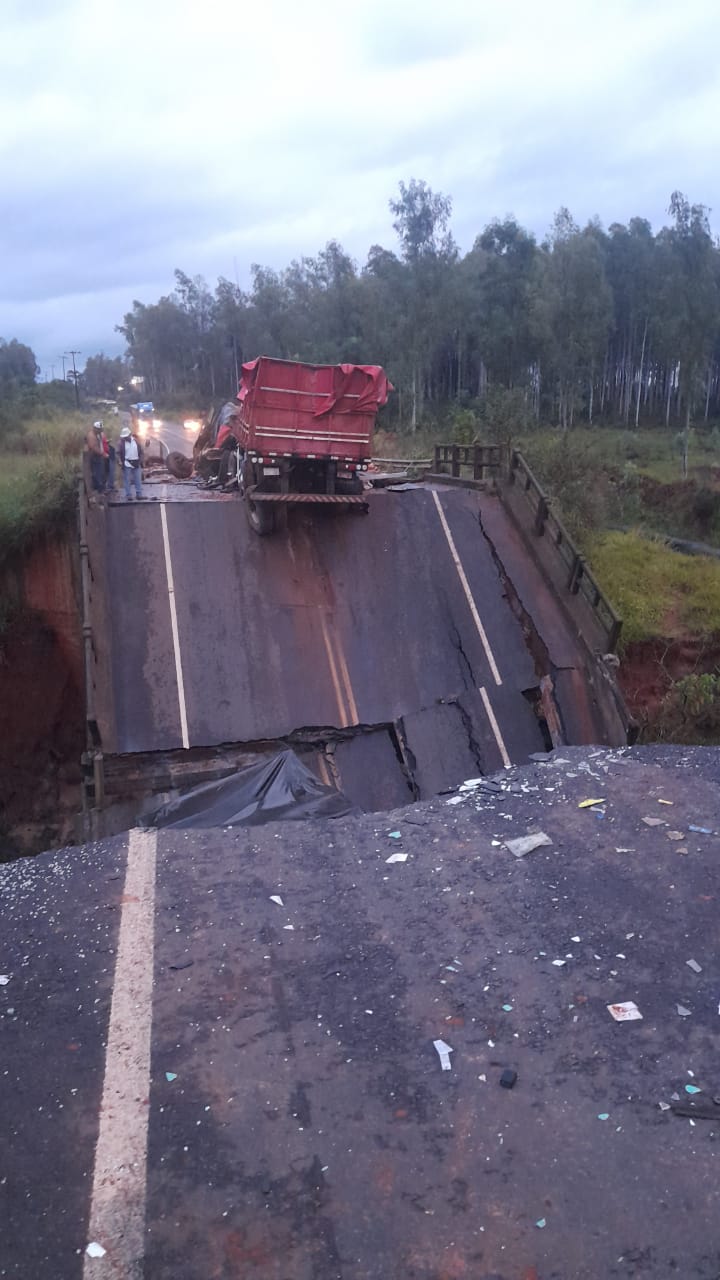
x=526 y=844
x=4 y=979
x=443 y=1050
x=625 y=1011
x=483 y=1078
x=540 y=1223
x=397 y=857
x=675 y=835
x=559 y=963
x=702 y=831
x=621 y=850
x=275 y=897
x=394 y=835
x=693 y=964
x=692 y=1088
x=170 y=1076
x=604 y=1115
x=508 y=1078
x=181 y=964
x=576 y=938
x=455 y=800
x=507 y=1008
x=664 y=1106
x=95 y=1250
x=684 y=1013
x=666 y=802
x=289 y=926
x=654 y=822
x=588 y=804
x=681 y=848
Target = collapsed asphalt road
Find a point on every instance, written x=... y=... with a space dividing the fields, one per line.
x=406 y=621
x=202 y=1081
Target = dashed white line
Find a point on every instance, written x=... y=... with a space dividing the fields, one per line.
x=495 y=728
x=117 y=1209
x=175 y=632
x=468 y=593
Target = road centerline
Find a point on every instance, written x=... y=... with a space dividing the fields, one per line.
x=468 y=593
x=117 y=1208
x=495 y=728
x=174 y=626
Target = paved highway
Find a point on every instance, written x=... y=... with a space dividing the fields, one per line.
x=204 y=1084
x=219 y=636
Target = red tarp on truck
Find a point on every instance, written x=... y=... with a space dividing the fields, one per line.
x=321 y=410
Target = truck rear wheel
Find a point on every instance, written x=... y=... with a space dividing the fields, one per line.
x=261 y=516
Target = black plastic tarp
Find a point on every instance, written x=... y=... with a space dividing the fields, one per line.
x=276 y=790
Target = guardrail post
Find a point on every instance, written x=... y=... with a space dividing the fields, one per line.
x=455 y=462
x=438 y=459
x=541 y=515
x=478 y=467
x=614 y=635
x=576 y=573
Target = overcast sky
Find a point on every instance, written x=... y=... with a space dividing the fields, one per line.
x=141 y=135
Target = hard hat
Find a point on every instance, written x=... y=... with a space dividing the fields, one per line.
x=98 y=426
x=125 y=433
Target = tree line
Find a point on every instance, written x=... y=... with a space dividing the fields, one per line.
x=590 y=324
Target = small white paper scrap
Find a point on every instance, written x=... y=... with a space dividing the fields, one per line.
x=693 y=964
x=275 y=897
x=95 y=1250
x=397 y=857
x=444 y=1050
x=626 y=1011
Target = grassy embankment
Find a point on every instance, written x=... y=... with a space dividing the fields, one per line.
x=38 y=471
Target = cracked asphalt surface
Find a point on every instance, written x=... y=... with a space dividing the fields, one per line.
x=308 y=1132
x=338 y=622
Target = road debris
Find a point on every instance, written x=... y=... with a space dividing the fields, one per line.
x=541 y=1222
x=397 y=857
x=624 y=1011
x=443 y=1051
x=654 y=822
x=95 y=1250
x=170 y=1076
x=4 y=979
x=702 y=831
x=507 y=1008
x=664 y=1106
x=181 y=964
x=604 y=1115
x=394 y=835
x=508 y=1078
x=684 y=1013
x=526 y=844
x=559 y=963
x=666 y=801
x=693 y=964
x=275 y=897
x=692 y=1088
x=675 y=835
x=588 y=804
x=620 y=849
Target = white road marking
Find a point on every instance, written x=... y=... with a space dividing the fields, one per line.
x=117 y=1209
x=174 y=625
x=495 y=728
x=468 y=594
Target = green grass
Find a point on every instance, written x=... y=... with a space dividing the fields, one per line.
x=658 y=593
x=38 y=469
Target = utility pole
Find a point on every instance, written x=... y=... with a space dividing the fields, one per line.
x=63 y=360
x=52 y=372
x=75 y=376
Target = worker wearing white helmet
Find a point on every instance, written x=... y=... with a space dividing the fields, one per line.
x=129 y=452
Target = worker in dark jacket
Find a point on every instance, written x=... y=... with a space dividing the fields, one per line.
x=130 y=457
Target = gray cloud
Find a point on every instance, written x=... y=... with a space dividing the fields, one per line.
x=137 y=137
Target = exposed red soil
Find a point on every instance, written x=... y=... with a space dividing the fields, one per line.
x=43 y=730
x=648 y=668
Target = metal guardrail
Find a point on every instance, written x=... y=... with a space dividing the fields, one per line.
x=579 y=578
x=481 y=460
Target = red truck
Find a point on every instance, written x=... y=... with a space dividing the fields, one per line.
x=305 y=434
